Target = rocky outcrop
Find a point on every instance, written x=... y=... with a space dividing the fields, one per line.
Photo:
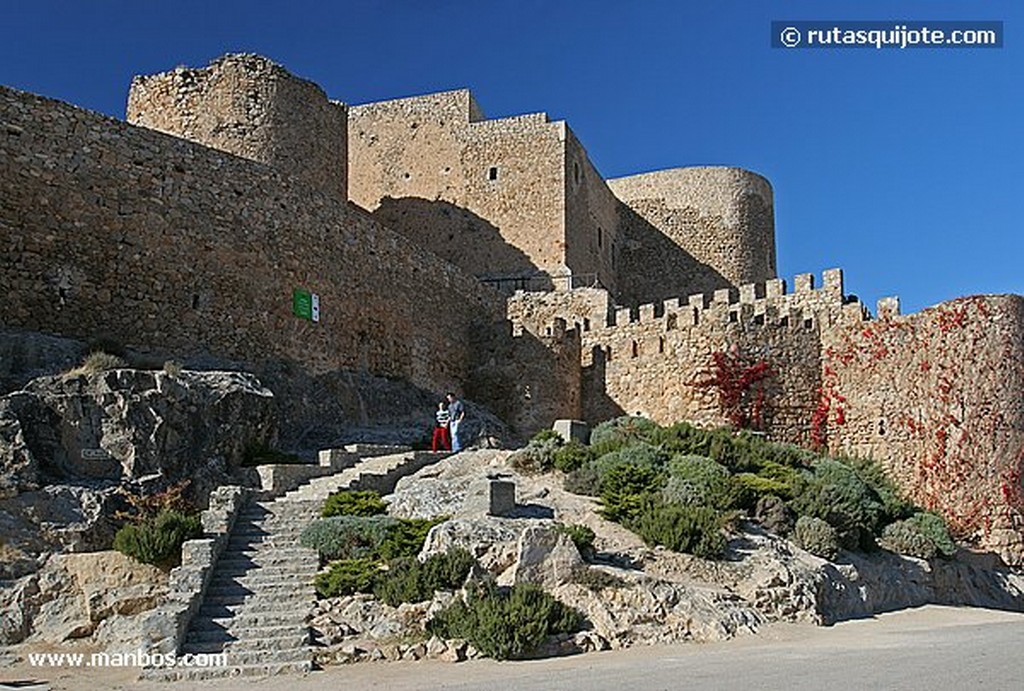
x=131 y=426
x=99 y=596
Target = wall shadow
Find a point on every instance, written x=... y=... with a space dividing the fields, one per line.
x=658 y=268
x=463 y=238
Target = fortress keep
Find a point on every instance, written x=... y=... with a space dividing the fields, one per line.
x=453 y=251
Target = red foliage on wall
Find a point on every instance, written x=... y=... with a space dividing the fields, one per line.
x=740 y=382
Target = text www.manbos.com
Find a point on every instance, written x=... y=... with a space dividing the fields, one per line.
x=139 y=658
x=878 y=35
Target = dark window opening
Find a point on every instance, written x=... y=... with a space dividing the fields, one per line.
x=759 y=319
x=608 y=354
x=586 y=324
x=195 y=301
x=671 y=322
x=661 y=344
x=576 y=172
x=600 y=238
x=492 y=174
x=881 y=427
x=636 y=349
x=733 y=317
x=808 y=324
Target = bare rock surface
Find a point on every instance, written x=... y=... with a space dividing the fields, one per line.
x=97 y=596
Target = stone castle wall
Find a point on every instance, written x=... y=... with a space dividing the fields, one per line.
x=694 y=230
x=107 y=228
x=250 y=107
x=486 y=195
x=936 y=397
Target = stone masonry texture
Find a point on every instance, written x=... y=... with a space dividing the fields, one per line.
x=410 y=218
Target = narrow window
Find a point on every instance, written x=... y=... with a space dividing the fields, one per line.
x=586 y=324
x=600 y=237
x=636 y=349
x=195 y=301
x=661 y=344
x=492 y=174
x=576 y=172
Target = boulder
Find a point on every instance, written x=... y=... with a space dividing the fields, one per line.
x=546 y=557
x=493 y=541
x=28 y=441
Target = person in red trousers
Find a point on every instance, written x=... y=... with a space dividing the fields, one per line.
x=441 y=440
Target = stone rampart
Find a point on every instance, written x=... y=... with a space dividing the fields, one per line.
x=122 y=231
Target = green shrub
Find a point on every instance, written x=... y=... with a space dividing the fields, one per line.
x=505 y=623
x=639 y=454
x=612 y=435
x=699 y=480
x=623 y=489
x=903 y=537
x=585 y=480
x=582 y=536
x=836 y=494
x=547 y=435
x=894 y=506
x=680 y=527
x=738 y=451
x=934 y=528
x=573 y=455
x=346 y=577
x=347 y=537
x=538 y=456
x=354 y=503
x=751 y=488
x=405 y=537
x=793 y=480
x=597 y=580
x=261 y=454
x=408 y=580
x=158 y=540
x=817 y=537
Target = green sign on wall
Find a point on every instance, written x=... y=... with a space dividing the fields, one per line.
x=306 y=305
x=302 y=304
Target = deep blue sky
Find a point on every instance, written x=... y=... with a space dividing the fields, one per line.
x=905 y=168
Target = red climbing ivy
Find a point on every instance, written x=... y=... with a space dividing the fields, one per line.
x=741 y=385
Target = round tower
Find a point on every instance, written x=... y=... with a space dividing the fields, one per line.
x=249 y=106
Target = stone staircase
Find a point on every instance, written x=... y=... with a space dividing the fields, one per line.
x=261 y=590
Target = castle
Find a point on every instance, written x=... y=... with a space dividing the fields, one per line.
x=453 y=251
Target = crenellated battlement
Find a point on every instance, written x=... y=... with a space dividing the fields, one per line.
x=759 y=304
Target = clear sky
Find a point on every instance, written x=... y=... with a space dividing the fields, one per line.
x=905 y=168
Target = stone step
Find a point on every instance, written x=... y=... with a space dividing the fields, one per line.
x=224 y=610
x=293 y=644
x=241 y=632
x=269 y=669
x=266 y=587
x=290 y=616
x=257 y=600
x=268 y=573
x=280 y=553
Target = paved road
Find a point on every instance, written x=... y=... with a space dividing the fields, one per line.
x=931 y=648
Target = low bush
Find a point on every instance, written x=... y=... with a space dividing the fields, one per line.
x=585 y=480
x=538 y=456
x=505 y=623
x=699 y=480
x=405 y=537
x=640 y=454
x=623 y=489
x=409 y=580
x=261 y=454
x=97 y=361
x=687 y=528
x=582 y=536
x=546 y=435
x=573 y=455
x=346 y=577
x=158 y=540
x=836 y=494
x=612 y=435
x=347 y=537
x=596 y=580
x=934 y=528
x=894 y=506
x=354 y=503
x=903 y=537
x=816 y=536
